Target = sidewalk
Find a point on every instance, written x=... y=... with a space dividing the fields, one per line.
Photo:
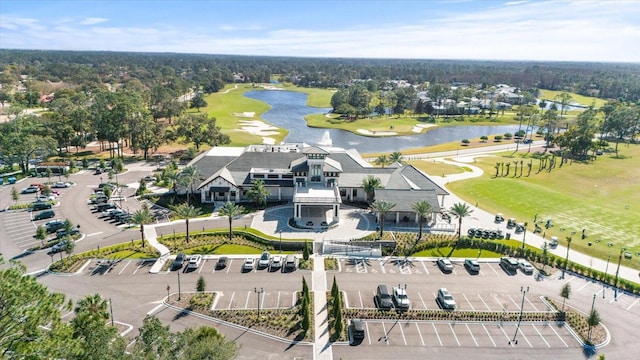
x=322 y=344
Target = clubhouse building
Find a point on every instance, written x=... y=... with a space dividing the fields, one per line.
x=315 y=179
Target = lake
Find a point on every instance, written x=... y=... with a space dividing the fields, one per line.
x=288 y=109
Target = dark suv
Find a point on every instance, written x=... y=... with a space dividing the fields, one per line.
x=54 y=225
x=40 y=205
x=44 y=215
x=179 y=261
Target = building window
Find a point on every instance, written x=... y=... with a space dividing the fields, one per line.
x=273 y=176
x=316 y=173
x=258 y=176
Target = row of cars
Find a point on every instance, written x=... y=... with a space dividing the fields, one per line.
x=509 y=264
x=398 y=298
x=273 y=263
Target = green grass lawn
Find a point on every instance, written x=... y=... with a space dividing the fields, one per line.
x=436 y=168
x=601 y=197
x=584 y=100
x=457 y=253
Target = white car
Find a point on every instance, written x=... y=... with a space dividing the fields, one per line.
x=525 y=266
x=45 y=197
x=248 y=265
x=401 y=298
x=194 y=261
x=263 y=262
x=276 y=262
x=446 y=299
x=60 y=184
x=445 y=265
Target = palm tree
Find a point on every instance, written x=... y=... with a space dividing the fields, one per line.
x=382 y=160
x=382 y=207
x=258 y=192
x=422 y=209
x=230 y=210
x=565 y=292
x=188 y=177
x=172 y=176
x=186 y=211
x=460 y=210
x=93 y=305
x=142 y=217
x=396 y=157
x=370 y=184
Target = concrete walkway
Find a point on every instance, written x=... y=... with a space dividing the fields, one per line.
x=322 y=344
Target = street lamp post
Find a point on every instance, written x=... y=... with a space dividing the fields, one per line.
x=179 y=289
x=259 y=292
x=168 y=288
x=524 y=235
x=566 y=259
x=615 y=282
x=524 y=291
x=111 y=308
x=605 y=276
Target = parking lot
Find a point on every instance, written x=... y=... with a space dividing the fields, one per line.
x=20 y=229
x=469 y=335
x=415 y=267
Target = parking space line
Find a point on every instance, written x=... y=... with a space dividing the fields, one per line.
x=423 y=303
x=494 y=270
x=525 y=337
x=426 y=270
x=505 y=333
x=368 y=332
x=514 y=302
x=630 y=306
x=125 y=266
x=469 y=302
x=438 y=335
x=584 y=286
x=419 y=333
x=229 y=267
x=403 y=337
x=543 y=339
x=454 y=272
x=454 y=334
x=138 y=268
x=360 y=297
x=532 y=305
x=386 y=338
x=470 y=333
x=231 y=300
x=278 y=301
x=485 y=304
x=202 y=266
x=262 y=301
x=489 y=335
x=381 y=262
x=246 y=304
x=559 y=337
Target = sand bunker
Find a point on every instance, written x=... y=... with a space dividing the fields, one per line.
x=376 y=133
x=257 y=127
x=245 y=114
x=419 y=127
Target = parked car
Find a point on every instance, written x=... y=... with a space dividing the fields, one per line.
x=53 y=225
x=179 y=261
x=527 y=141
x=194 y=261
x=105 y=206
x=30 y=190
x=45 y=197
x=401 y=298
x=276 y=262
x=525 y=266
x=47 y=214
x=509 y=264
x=247 y=265
x=445 y=265
x=499 y=218
x=554 y=242
x=356 y=329
x=383 y=297
x=59 y=247
x=60 y=184
x=290 y=263
x=149 y=178
x=60 y=233
x=263 y=262
x=222 y=262
x=445 y=299
x=472 y=265
x=40 y=205
x=511 y=223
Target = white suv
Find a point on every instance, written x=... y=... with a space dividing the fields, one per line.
x=194 y=261
x=401 y=298
x=525 y=266
x=446 y=299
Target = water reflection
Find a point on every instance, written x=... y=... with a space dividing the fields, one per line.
x=288 y=110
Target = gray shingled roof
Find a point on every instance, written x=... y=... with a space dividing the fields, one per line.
x=404 y=198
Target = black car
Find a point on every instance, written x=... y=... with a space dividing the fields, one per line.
x=44 y=215
x=60 y=233
x=222 y=262
x=40 y=205
x=179 y=261
x=54 y=225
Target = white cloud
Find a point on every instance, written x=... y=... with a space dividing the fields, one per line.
x=549 y=30
x=93 y=21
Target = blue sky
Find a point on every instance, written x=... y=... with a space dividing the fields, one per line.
x=572 y=30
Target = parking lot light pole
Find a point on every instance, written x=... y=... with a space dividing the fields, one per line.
x=111 y=309
x=566 y=259
x=524 y=235
x=179 y=290
x=615 y=282
x=259 y=292
x=524 y=291
x=605 y=275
